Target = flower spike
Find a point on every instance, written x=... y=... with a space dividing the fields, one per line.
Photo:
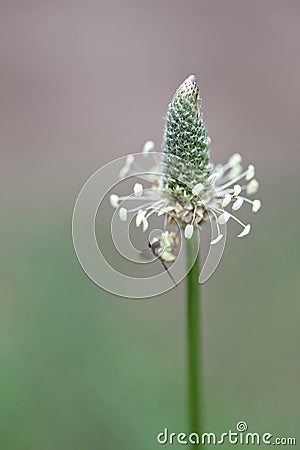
x=190 y=189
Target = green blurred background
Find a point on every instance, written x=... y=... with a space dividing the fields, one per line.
x=80 y=84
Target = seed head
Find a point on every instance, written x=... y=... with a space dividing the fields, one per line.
x=189 y=190
x=185 y=142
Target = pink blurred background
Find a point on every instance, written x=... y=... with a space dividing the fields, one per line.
x=80 y=84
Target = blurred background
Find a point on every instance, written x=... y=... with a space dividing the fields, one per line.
x=82 y=83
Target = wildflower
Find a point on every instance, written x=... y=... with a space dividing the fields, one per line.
x=186 y=187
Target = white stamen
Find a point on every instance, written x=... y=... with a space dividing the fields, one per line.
x=256 y=205
x=226 y=200
x=165 y=210
x=138 y=208
x=145 y=224
x=250 y=172
x=138 y=189
x=218 y=238
x=223 y=218
x=197 y=188
x=124 y=171
x=129 y=160
x=235 y=172
x=148 y=147
x=245 y=231
x=139 y=217
x=213 y=177
x=188 y=231
x=114 y=200
x=166 y=239
x=234 y=159
x=123 y=214
x=237 y=204
x=155 y=208
x=232 y=216
x=236 y=190
x=238 y=177
x=252 y=187
x=220 y=170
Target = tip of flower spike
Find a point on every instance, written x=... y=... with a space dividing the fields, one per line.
x=191 y=79
x=189 y=88
x=191 y=83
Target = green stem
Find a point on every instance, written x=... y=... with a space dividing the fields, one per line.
x=193 y=336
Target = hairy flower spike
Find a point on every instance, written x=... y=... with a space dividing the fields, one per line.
x=188 y=189
x=185 y=143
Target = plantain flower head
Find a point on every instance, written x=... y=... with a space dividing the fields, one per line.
x=187 y=188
